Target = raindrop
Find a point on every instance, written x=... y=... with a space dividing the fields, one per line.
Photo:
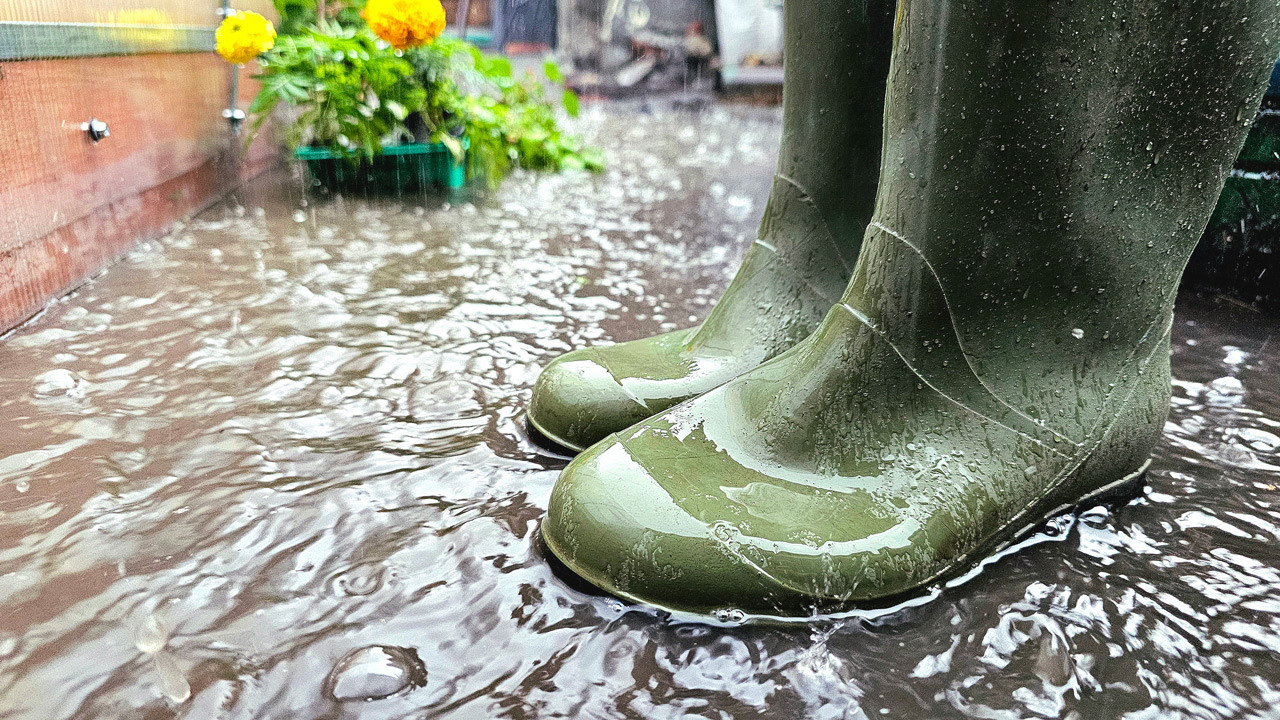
x=374 y=672
x=152 y=635
x=1053 y=665
x=172 y=681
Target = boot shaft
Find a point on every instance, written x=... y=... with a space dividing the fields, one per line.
x=837 y=62
x=1047 y=170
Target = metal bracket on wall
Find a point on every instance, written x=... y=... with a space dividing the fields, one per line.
x=235 y=116
x=96 y=130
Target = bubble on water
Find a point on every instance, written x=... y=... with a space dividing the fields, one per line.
x=57 y=382
x=22 y=485
x=375 y=672
x=172 y=680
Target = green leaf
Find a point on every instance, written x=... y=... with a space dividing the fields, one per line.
x=553 y=72
x=570 y=101
x=454 y=145
x=594 y=158
x=494 y=66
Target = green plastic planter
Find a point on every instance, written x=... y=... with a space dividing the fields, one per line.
x=398 y=168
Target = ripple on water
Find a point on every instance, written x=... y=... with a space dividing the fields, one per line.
x=260 y=443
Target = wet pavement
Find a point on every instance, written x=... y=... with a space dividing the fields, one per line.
x=272 y=466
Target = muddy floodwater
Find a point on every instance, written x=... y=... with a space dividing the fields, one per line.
x=274 y=466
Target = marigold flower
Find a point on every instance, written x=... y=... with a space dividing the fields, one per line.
x=405 y=23
x=244 y=35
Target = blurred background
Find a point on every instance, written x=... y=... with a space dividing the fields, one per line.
x=271 y=305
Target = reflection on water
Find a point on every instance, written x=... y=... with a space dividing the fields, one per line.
x=272 y=466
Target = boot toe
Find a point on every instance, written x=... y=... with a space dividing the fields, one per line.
x=664 y=516
x=588 y=394
x=578 y=400
x=613 y=524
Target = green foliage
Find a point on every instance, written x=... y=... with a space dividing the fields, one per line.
x=354 y=94
x=507 y=117
x=297 y=15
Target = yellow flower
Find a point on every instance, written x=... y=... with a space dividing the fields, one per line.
x=405 y=23
x=244 y=35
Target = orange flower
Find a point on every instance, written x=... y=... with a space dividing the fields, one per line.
x=405 y=23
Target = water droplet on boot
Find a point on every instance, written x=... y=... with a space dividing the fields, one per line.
x=374 y=672
x=729 y=615
x=1078 y=333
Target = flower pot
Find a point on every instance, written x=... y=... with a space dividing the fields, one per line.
x=398 y=168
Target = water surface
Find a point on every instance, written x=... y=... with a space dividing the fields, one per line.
x=273 y=464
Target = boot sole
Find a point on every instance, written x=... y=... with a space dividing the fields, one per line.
x=1002 y=545
x=1113 y=495
x=549 y=440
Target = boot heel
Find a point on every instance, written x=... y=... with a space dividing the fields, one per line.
x=1118 y=493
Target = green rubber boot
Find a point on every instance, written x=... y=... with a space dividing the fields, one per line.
x=837 y=59
x=1002 y=351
